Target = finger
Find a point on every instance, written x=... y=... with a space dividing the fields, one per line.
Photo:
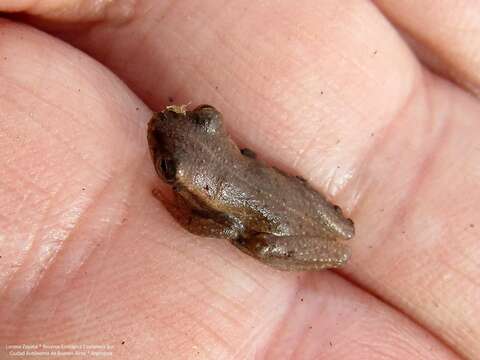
x=64 y=11
x=446 y=35
x=69 y=135
x=314 y=88
x=95 y=259
x=423 y=246
x=294 y=95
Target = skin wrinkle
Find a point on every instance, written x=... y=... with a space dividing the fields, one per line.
x=204 y=265
x=87 y=125
x=299 y=345
x=375 y=350
x=464 y=276
x=294 y=302
x=106 y=239
x=33 y=244
x=392 y=306
x=93 y=285
x=391 y=299
x=29 y=255
x=280 y=323
x=309 y=146
x=60 y=139
x=25 y=183
x=148 y=32
x=219 y=339
x=232 y=322
x=458 y=72
x=237 y=305
x=71 y=233
x=185 y=333
x=217 y=309
x=335 y=99
x=379 y=142
x=192 y=339
x=460 y=273
x=225 y=315
x=254 y=335
x=29 y=298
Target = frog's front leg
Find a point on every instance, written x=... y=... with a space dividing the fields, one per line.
x=196 y=222
x=222 y=228
x=295 y=253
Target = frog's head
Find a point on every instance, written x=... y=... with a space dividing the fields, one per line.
x=179 y=139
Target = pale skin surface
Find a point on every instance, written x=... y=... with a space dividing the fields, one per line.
x=328 y=90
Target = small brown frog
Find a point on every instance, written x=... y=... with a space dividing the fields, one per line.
x=225 y=192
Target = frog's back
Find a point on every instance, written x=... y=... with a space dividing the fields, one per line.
x=281 y=204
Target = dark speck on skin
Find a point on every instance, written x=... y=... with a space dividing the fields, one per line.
x=170 y=99
x=472 y=225
x=123 y=342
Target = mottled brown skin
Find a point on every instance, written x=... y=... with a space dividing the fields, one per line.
x=227 y=193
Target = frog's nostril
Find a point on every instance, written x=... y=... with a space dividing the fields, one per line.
x=337 y=209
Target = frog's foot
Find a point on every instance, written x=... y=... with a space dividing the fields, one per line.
x=295 y=253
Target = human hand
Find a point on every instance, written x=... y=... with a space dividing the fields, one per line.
x=331 y=92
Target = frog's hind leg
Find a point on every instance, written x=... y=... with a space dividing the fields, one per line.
x=295 y=253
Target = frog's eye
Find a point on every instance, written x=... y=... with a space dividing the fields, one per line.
x=168 y=169
x=207 y=117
